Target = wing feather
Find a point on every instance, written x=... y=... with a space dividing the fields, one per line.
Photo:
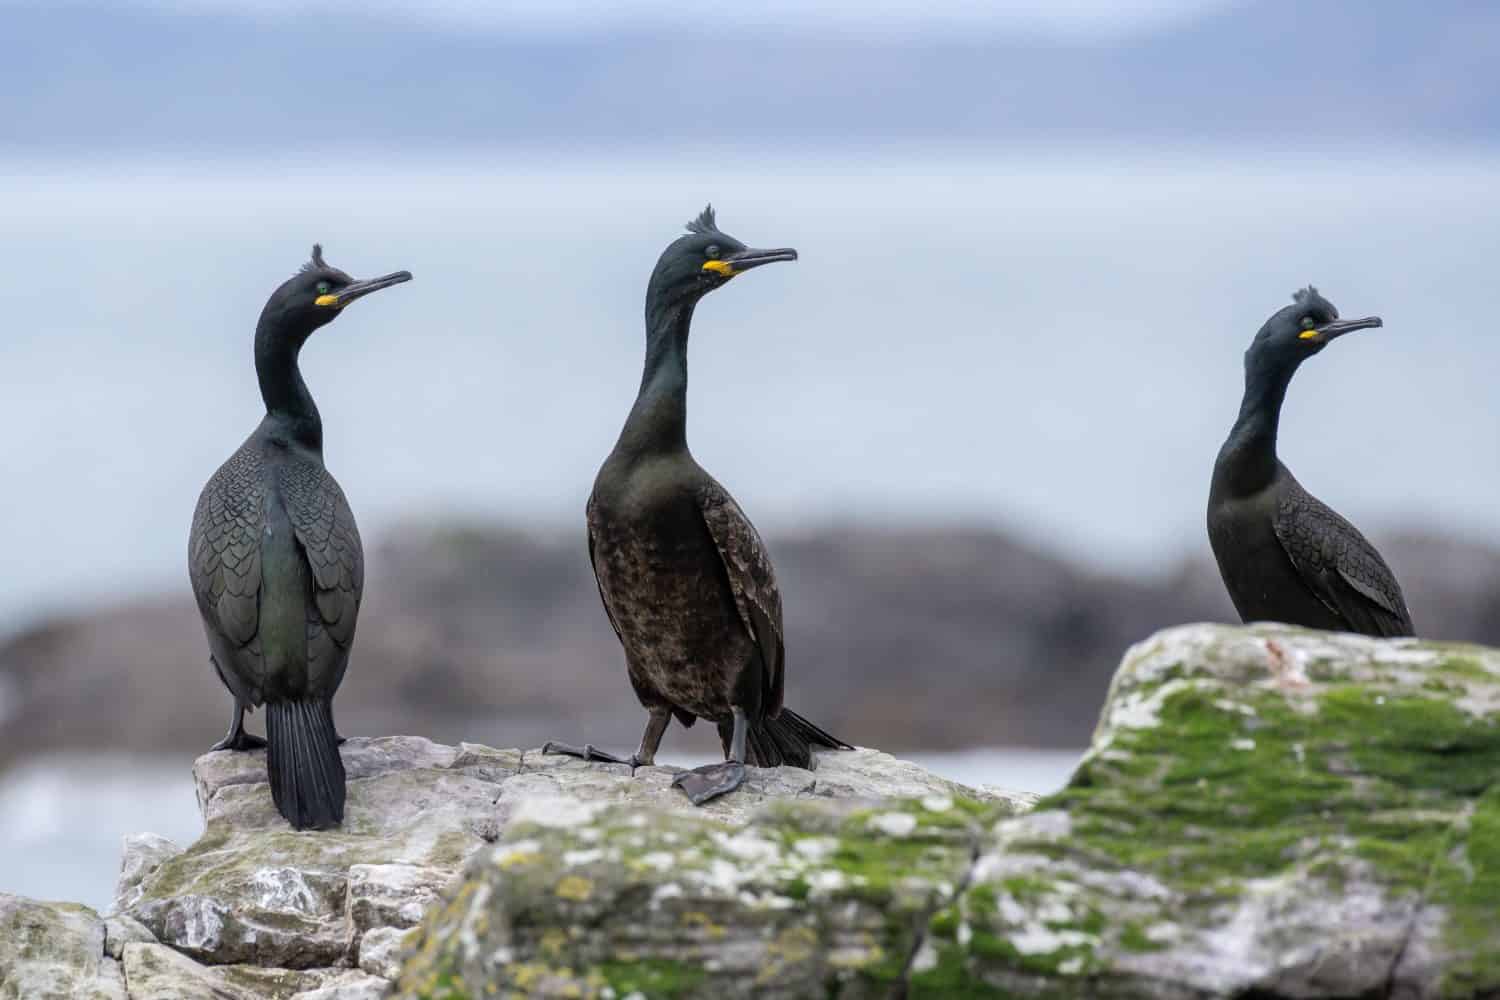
x=325 y=528
x=589 y=516
x=752 y=581
x=1341 y=567
x=224 y=548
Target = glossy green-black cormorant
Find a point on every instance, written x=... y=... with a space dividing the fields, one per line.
x=276 y=561
x=685 y=579
x=1284 y=555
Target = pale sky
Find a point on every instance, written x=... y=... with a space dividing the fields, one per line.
x=1069 y=18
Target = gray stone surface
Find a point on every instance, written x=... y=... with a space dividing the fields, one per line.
x=157 y=972
x=255 y=909
x=141 y=855
x=254 y=890
x=382 y=950
x=1264 y=812
x=348 y=986
x=54 y=951
x=809 y=898
x=1267 y=812
x=120 y=930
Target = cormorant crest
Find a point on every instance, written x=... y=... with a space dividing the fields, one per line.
x=316 y=264
x=1302 y=296
x=704 y=223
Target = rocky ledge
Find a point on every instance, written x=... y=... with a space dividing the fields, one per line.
x=1265 y=812
x=256 y=910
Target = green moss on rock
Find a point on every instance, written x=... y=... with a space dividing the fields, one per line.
x=1283 y=784
x=809 y=898
x=651 y=977
x=1265 y=811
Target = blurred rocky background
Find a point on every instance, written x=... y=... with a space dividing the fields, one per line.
x=904 y=638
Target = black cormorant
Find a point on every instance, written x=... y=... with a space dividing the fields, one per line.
x=276 y=561
x=1284 y=555
x=685 y=579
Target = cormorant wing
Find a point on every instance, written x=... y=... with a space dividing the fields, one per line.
x=1340 y=566
x=325 y=528
x=589 y=519
x=751 y=581
x=224 y=558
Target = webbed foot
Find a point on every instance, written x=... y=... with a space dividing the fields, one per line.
x=239 y=740
x=587 y=752
x=710 y=781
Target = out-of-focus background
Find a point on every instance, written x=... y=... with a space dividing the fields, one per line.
x=975 y=422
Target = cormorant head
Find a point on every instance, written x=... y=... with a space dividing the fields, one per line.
x=1301 y=330
x=317 y=294
x=704 y=259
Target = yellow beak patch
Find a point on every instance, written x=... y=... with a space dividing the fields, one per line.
x=720 y=266
x=1309 y=335
x=326 y=300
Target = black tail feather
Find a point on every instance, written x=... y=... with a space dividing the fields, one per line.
x=302 y=759
x=786 y=739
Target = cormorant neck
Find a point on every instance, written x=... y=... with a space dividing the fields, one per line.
x=658 y=420
x=1248 y=457
x=288 y=403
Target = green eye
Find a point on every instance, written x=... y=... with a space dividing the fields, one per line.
x=712 y=253
x=1308 y=323
x=324 y=288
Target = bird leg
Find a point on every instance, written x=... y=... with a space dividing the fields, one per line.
x=656 y=725
x=713 y=780
x=237 y=738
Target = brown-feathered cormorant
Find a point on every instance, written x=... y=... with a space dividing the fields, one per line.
x=1284 y=555
x=685 y=579
x=276 y=562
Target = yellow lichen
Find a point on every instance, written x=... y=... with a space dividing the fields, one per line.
x=575 y=887
x=528 y=975
x=697 y=918
x=792 y=945
x=553 y=941
x=518 y=859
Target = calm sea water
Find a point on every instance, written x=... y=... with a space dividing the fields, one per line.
x=62 y=819
x=1049 y=341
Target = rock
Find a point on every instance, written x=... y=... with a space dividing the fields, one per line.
x=391 y=896
x=254 y=890
x=142 y=854
x=858 y=774
x=349 y=986
x=54 y=951
x=1265 y=812
x=256 y=908
x=809 y=898
x=382 y=949
x=120 y=930
x=155 y=971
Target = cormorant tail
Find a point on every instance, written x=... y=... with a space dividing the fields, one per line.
x=786 y=739
x=302 y=758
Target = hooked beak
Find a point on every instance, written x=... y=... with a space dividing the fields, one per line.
x=1339 y=327
x=746 y=259
x=360 y=289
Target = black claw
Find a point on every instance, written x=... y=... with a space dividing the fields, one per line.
x=709 y=782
